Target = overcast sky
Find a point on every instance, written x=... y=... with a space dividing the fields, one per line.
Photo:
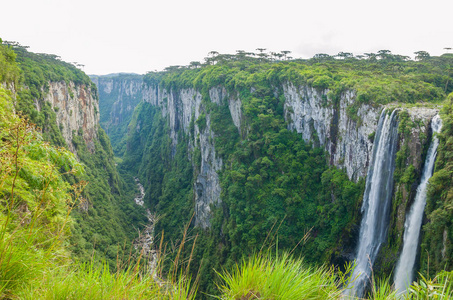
x=139 y=36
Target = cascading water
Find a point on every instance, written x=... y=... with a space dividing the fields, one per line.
x=405 y=267
x=376 y=202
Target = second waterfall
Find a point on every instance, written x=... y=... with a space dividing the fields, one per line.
x=376 y=202
x=405 y=268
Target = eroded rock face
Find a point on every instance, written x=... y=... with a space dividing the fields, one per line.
x=76 y=107
x=181 y=108
x=207 y=183
x=310 y=113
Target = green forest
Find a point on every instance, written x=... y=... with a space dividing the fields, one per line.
x=287 y=216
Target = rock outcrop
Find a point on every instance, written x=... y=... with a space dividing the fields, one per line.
x=181 y=108
x=76 y=108
x=347 y=141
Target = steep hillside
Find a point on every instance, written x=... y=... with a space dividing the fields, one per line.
x=249 y=146
x=62 y=101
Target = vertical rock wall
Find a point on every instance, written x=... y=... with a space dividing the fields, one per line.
x=309 y=112
x=76 y=107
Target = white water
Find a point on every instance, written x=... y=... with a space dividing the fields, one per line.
x=139 y=200
x=376 y=203
x=405 y=267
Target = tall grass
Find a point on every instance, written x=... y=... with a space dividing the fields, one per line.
x=280 y=276
x=90 y=282
x=32 y=267
x=382 y=289
x=441 y=287
x=27 y=272
x=275 y=277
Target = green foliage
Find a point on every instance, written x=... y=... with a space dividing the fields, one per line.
x=284 y=277
x=163 y=168
x=31 y=172
x=40 y=69
x=375 y=81
x=9 y=72
x=34 y=200
x=441 y=287
x=280 y=277
x=88 y=282
x=201 y=122
x=108 y=223
x=109 y=212
x=438 y=230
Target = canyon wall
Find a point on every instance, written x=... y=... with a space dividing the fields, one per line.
x=77 y=110
x=348 y=139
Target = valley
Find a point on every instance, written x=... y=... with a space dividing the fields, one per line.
x=192 y=173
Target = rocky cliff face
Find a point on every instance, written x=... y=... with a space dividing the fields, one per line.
x=76 y=108
x=347 y=138
x=181 y=108
x=347 y=141
x=413 y=142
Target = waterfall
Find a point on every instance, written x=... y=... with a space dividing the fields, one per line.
x=405 y=267
x=376 y=202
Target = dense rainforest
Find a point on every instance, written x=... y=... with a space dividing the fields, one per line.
x=243 y=204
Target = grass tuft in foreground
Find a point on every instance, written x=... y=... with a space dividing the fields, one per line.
x=280 y=276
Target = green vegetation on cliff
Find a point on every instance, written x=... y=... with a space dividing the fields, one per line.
x=438 y=230
x=103 y=225
x=391 y=78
